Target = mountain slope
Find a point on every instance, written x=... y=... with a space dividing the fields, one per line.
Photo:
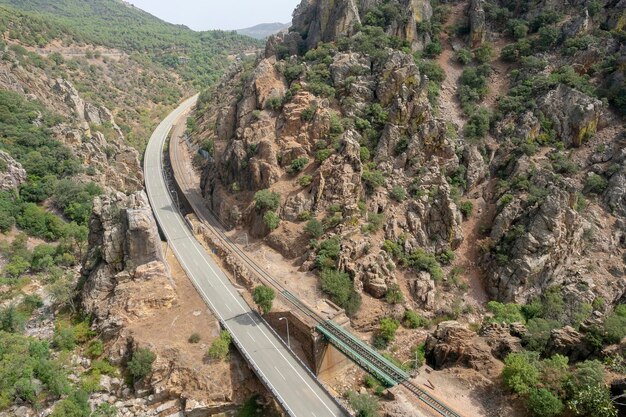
x=263 y=30
x=119 y=25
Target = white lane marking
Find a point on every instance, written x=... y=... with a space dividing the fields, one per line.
x=202 y=255
x=280 y=373
x=249 y=335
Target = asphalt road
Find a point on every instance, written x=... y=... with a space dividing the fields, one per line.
x=293 y=386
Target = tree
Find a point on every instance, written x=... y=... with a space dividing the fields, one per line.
x=520 y=373
x=314 y=228
x=266 y=200
x=505 y=313
x=386 y=332
x=264 y=297
x=543 y=403
x=592 y=400
x=271 y=220
x=140 y=365
x=220 y=346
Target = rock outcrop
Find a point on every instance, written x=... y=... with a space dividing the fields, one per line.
x=452 y=344
x=536 y=244
x=125 y=273
x=567 y=341
x=575 y=115
x=12 y=175
x=324 y=20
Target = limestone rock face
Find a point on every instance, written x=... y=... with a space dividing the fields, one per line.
x=575 y=115
x=126 y=275
x=12 y=175
x=452 y=344
x=539 y=243
x=324 y=20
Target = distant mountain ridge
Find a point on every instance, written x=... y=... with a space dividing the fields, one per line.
x=263 y=30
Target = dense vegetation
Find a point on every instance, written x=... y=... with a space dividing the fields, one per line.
x=119 y=25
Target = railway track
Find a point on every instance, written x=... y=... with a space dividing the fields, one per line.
x=360 y=352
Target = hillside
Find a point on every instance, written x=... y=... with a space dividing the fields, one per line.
x=82 y=86
x=116 y=24
x=453 y=176
x=263 y=30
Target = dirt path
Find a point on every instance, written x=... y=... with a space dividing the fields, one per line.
x=448 y=102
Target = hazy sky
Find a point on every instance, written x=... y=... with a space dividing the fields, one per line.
x=219 y=14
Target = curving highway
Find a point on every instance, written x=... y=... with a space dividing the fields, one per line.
x=295 y=388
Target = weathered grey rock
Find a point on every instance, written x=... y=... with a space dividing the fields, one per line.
x=124 y=255
x=500 y=338
x=423 y=290
x=12 y=175
x=324 y=20
x=568 y=342
x=544 y=239
x=575 y=115
x=452 y=344
x=478 y=27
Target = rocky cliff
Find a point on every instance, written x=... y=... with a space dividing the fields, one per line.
x=455 y=154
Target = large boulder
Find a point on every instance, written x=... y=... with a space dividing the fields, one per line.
x=452 y=344
x=575 y=115
x=12 y=175
x=567 y=341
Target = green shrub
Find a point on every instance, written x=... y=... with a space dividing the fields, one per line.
x=542 y=403
x=208 y=146
x=305 y=180
x=314 y=228
x=412 y=320
x=478 y=124
x=484 y=53
x=505 y=313
x=423 y=261
x=271 y=220
x=596 y=183
x=386 y=332
x=340 y=289
x=365 y=154
x=140 y=364
x=266 y=200
x=547 y=37
x=592 y=400
x=364 y=405
x=308 y=113
x=194 y=338
x=95 y=349
x=274 y=103
x=264 y=297
x=75 y=405
x=394 y=294
x=467 y=208
x=323 y=154
x=220 y=346
x=520 y=373
x=433 y=49
x=398 y=193
x=538 y=333
x=463 y=55
x=298 y=165
x=373 y=179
